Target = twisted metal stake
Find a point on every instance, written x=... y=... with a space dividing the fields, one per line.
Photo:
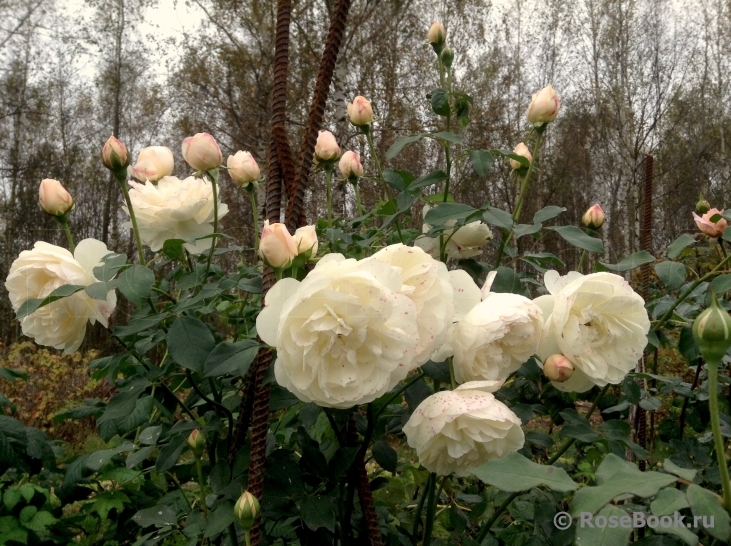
x=296 y=215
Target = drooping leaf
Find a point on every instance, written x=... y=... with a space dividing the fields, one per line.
x=32 y=305
x=190 y=342
x=671 y=274
x=481 y=161
x=574 y=236
x=516 y=473
x=136 y=283
x=631 y=262
x=434 y=177
x=547 y=213
x=397 y=146
x=677 y=246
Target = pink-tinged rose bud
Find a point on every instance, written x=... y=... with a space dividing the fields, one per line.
x=350 y=166
x=54 y=198
x=520 y=149
x=710 y=228
x=242 y=168
x=326 y=148
x=153 y=163
x=306 y=240
x=360 y=111
x=202 y=152
x=277 y=247
x=558 y=368
x=115 y=155
x=196 y=442
x=544 y=106
x=594 y=217
x=437 y=36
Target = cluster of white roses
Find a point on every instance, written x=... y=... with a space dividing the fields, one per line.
x=351 y=330
x=165 y=206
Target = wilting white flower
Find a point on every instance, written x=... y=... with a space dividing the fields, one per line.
x=38 y=272
x=345 y=335
x=456 y=431
x=174 y=209
x=426 y=282
x=598 y=322
x=496 y=337
x=465 y=243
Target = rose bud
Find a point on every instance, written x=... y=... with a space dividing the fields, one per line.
x=153 y=163
x=54 y=198
x=243 y=169
x=247 y=510
x=196 y=442
x=707 y=226
x=437 y=36
x=326 y=148
x=350 y=166
x=712 y=332
x=544 y=106
x=360 y=111
x=202 y=152
x=447 y=56
x=702 y=206
x=594 y=217
x=114 y=155
x=277 y=247
x=305 y=238
x=558 y=368
x=520 y=149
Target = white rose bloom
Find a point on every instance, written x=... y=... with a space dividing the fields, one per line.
x=496 y=337
x=466 y=294
x=598 y=322
x=38 y=272
x=345 y=335
x=456 y=431
x=174 y=209
x=465 y=243
x=426 y=282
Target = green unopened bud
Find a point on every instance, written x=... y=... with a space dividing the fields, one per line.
x=197 y=442
x=712 y=332
x=702 y=206
x=447 y=56
x=246 y=510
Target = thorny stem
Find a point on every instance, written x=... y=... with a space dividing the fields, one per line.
x=213 y=176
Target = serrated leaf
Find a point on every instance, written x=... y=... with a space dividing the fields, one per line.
x=190 y=342
x=450 y=137
x=707 y=504
x=230 y=358
x=721 y=284
x=624 y=478
x=434 y=177
x=109 y=500
x=631 y=262
x=32 y=305
x=439 y=100
x=170 y=454
x=481 y=161
x=547 y=213
x=397 y=146
x=516 y=473
x=385 y=455
x=159 y=515
x=677 y=246
x=671 y=274
x=574 y=236
x=111 y=265
x=607 y=535
x=317 y=512
x=136 y=283
x=667 y=501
